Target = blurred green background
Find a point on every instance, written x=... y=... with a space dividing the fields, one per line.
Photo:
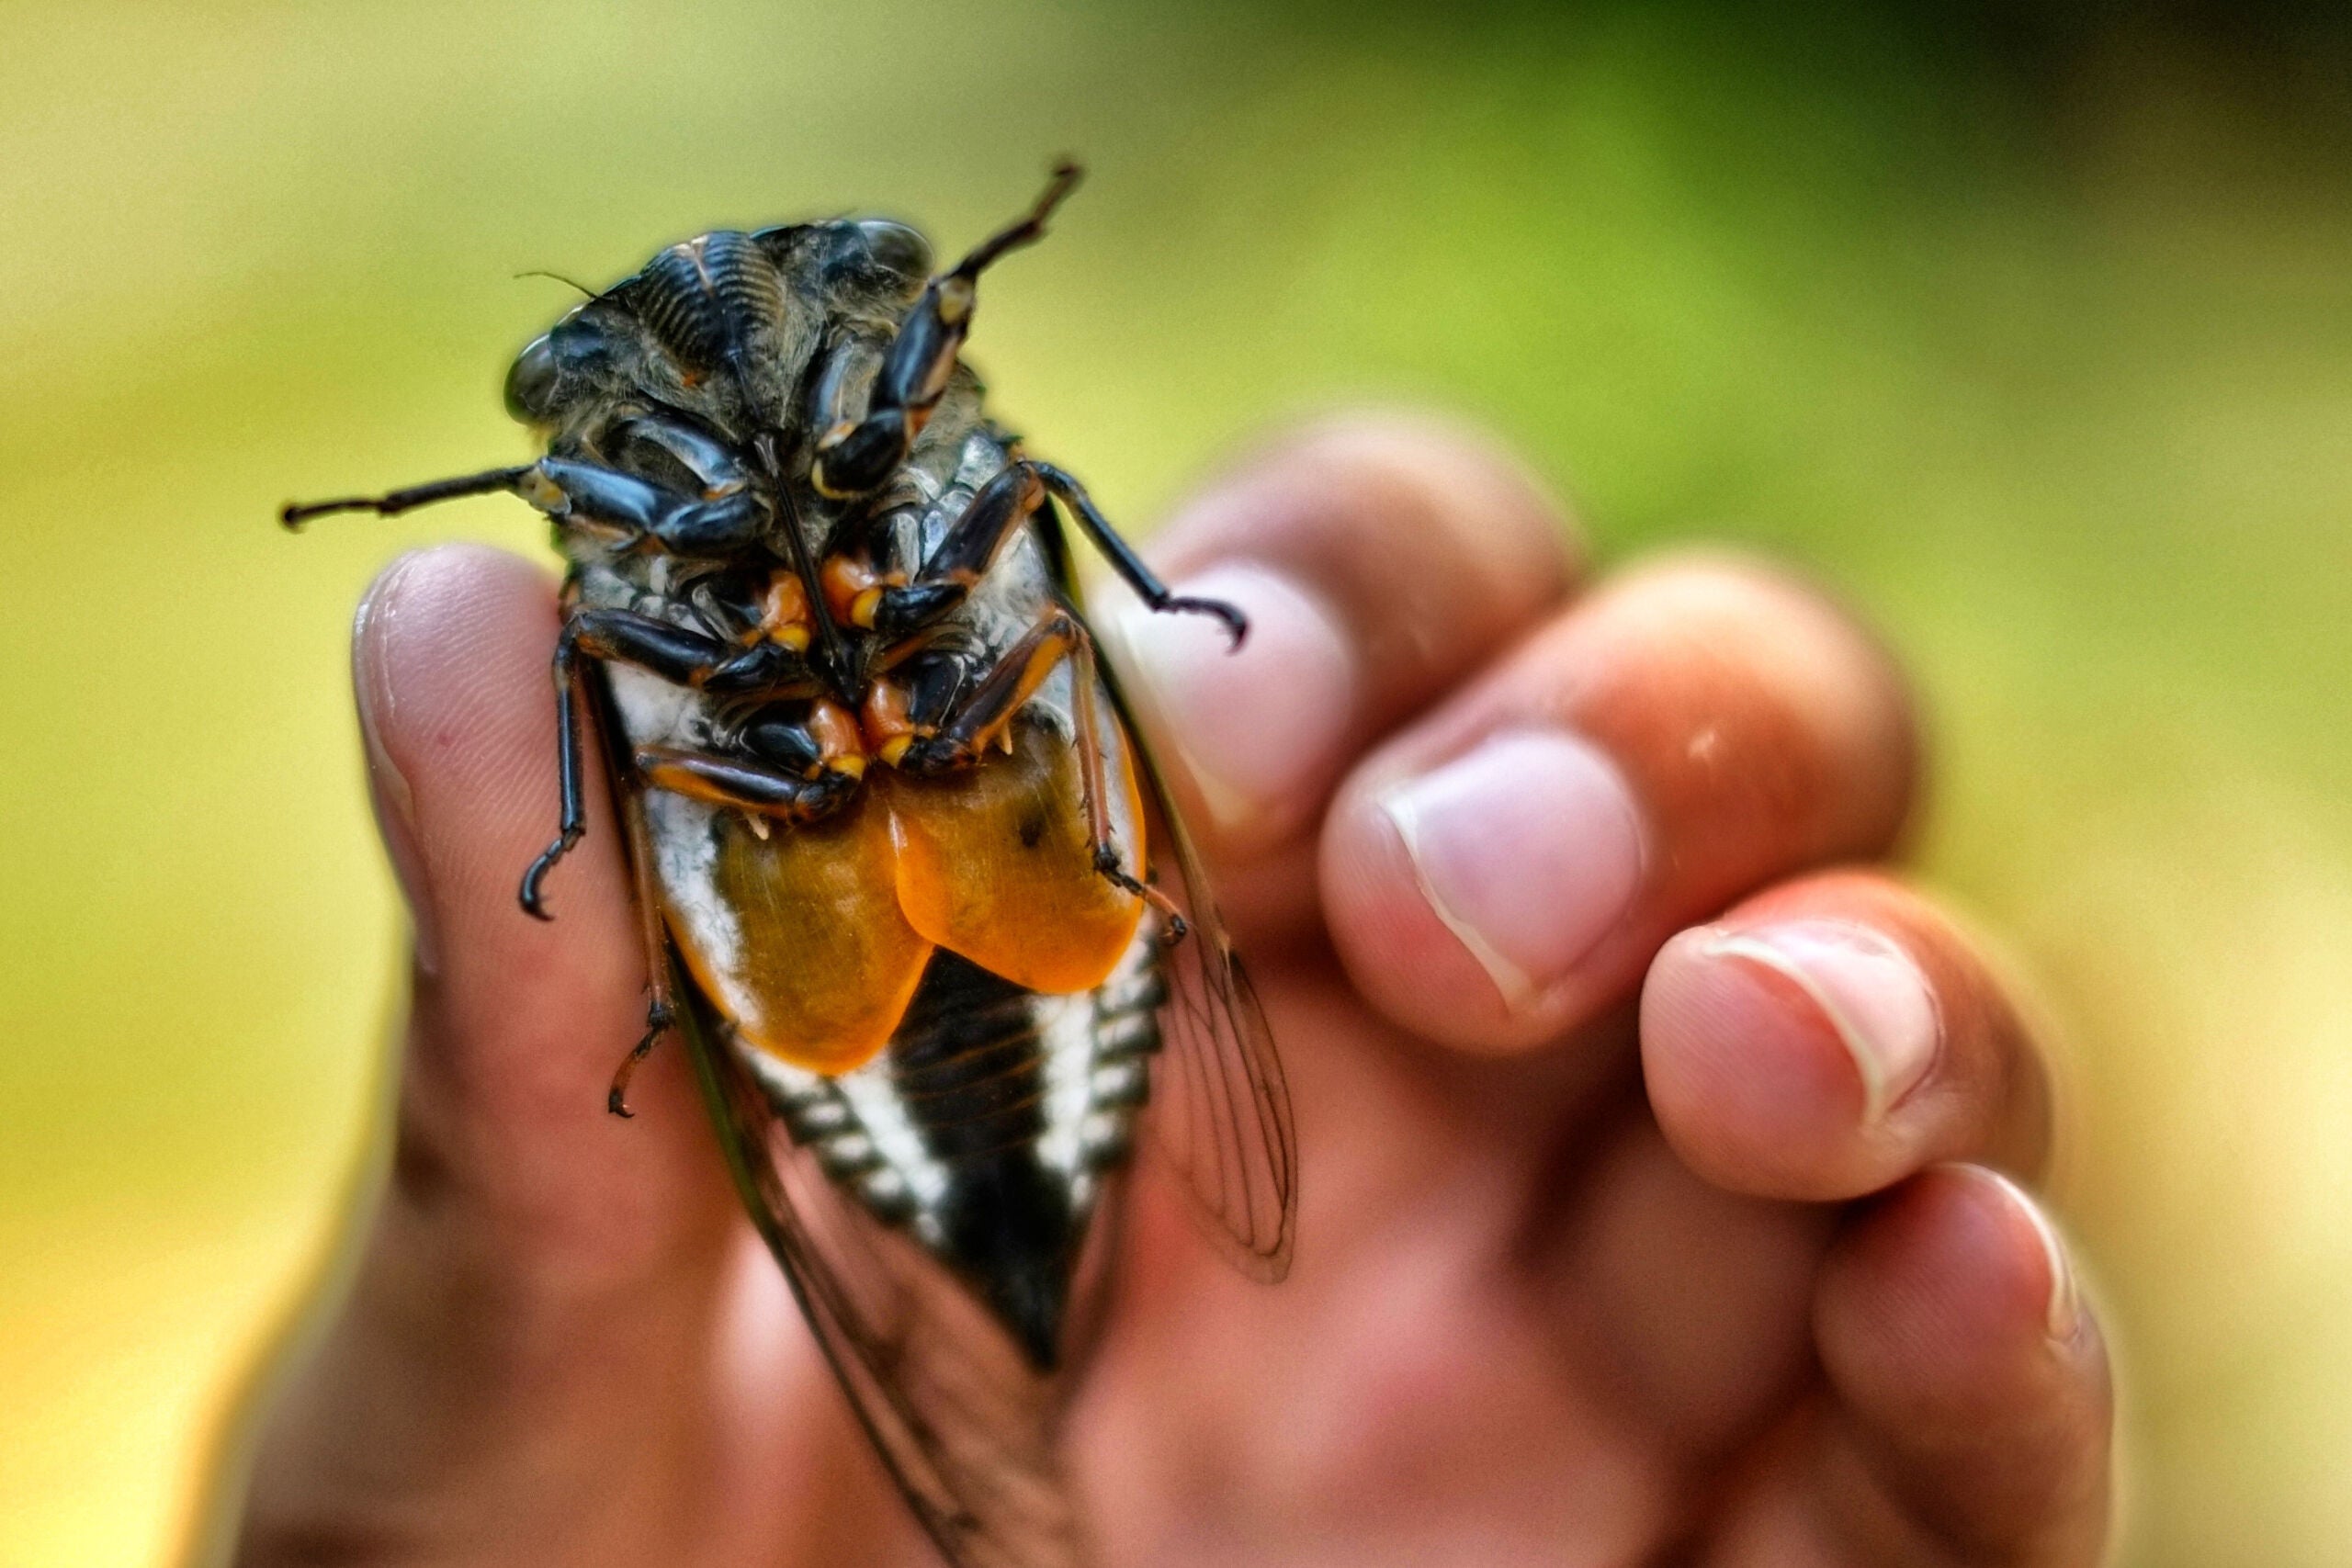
x=2030 y=327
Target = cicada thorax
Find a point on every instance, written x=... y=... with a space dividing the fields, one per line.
x=811 y=936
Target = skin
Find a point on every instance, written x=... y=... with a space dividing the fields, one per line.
x=1630 y=1269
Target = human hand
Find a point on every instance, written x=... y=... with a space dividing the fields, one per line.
x=1648 y=1205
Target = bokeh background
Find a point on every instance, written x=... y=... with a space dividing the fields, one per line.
x=2029 y=326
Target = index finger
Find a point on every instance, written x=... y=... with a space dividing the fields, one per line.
x=1379 y=560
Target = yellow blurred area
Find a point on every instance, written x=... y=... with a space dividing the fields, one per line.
x=2049 y=372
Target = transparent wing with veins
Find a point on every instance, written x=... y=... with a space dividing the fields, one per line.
x=964 y=1423
x=1221 y=1110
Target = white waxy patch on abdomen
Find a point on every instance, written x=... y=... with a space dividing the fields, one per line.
x=657 y=712
x=654 y=712
x=1074 y=1034
x=875 y=1099
x=685 y=864
x=1066 y=1035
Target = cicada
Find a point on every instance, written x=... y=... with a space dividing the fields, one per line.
x=911 y=889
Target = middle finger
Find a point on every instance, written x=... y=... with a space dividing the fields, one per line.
x=1503 y=870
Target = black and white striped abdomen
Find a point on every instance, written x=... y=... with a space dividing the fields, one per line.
x=986 y=1126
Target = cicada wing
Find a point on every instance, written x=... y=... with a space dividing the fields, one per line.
x=962 y=1422
x=1221 y=1111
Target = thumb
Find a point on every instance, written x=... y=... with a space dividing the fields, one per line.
x=525 y=1353
x=503 y=1141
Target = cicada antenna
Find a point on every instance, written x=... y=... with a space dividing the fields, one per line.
x=585 y=292
x=1031 y=228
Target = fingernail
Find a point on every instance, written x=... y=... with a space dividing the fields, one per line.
x=1259 y=727
x=1873 y=996
x=2062 y=1312
x=372 y=632
x=1529 y=849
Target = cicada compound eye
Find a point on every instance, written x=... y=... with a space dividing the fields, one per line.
x=896 y=248
x=531 y=382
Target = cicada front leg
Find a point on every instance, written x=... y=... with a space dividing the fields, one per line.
x=853 y=457
x=492 y=482
x=665 y=650
x=588 y=496
x=687 y=658
x=961 y=560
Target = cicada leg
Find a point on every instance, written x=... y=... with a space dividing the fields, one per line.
x=293 y=514
x=854 y=457
x=962 y=558
x=1098 y=809
x=827 y=738
x=765 y=793
x=1129 y=565
x=687 y=657
x=585 y=495
x=660 y=1009
x=983 y=715
x=956 y=563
